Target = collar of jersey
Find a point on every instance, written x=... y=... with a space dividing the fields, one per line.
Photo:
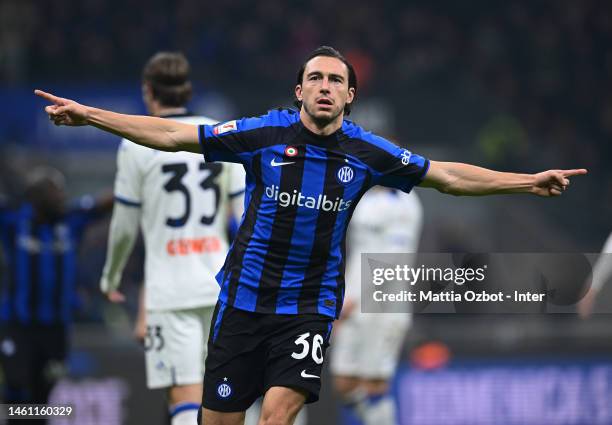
x=317 y=138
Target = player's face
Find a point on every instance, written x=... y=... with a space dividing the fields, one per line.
x=325 y=89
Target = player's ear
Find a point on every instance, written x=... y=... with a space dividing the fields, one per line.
x=351 y=95
x=298 y=92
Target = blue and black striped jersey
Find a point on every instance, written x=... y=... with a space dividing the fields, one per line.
x=38 y=287
x=301 y=190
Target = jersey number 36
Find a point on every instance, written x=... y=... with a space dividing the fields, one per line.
x=317 y=350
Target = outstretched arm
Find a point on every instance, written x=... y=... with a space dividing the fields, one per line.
x=463 y=179
x=156 y=133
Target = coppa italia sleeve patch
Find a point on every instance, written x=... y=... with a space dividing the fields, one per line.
x=224 y=128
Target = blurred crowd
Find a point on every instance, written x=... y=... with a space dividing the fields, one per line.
x=543 y=65
x=517 y=85
x=547 y=59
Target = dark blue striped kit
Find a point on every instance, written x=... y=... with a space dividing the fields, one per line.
x=301 y=191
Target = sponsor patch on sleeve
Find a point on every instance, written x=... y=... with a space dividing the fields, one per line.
x=406 y=154
x=225 y=127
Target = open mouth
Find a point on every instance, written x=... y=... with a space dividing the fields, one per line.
x=324 y=102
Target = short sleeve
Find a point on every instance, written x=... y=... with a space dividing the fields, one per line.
x=404 y=169
x=128 y=181
x=230 y=141
x=389 y=164
x=238 y=140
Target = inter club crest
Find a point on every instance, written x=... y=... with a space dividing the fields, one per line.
x=345 y=174
x=224 y=390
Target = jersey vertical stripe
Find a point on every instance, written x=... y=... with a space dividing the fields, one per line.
x=302 y=238
x=234 y=263
x=47 y=277
x=68 y=281
x=276 y=258
x=302 y=188
x=310 y=296
x=23 y=283
x=330 y=289
x=253 y=260
x=56 y=298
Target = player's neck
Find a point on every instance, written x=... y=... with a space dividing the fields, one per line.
x=320 y=128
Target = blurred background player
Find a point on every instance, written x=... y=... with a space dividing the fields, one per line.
x=367 y=345
x=183 y=206
x=40 y=241
x=602 y=271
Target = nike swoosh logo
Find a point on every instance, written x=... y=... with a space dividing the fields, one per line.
x=278 y=164
x=308 y=375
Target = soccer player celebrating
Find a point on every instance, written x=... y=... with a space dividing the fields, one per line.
x=183 y=205
x=367 y=345
x=283 y=279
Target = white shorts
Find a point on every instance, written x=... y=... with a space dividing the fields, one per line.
x=176 y=346
x=368 y=345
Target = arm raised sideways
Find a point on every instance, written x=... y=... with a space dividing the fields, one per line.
x=459 y=179
x=153 y=132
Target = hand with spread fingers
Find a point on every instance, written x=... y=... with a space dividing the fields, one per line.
x=64 y=111
x=554 y=182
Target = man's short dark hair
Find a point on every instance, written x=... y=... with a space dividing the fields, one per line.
x=332 y=53
x=167 y=73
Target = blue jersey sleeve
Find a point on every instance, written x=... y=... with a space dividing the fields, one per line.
x=229 y=141
x=390 y=165
x=404 y=169
x=238 y=140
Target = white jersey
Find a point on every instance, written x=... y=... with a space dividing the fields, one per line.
x=184 y=216
x=385 y=221
x=367 y=345
x=603 y=267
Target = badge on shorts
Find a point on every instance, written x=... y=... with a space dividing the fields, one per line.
x=224 y=390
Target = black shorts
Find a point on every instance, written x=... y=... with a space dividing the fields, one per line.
x=250 y=352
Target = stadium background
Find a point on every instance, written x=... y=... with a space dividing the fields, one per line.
x=521 y=85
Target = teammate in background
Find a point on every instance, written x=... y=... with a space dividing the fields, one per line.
x=282 y=283
x=40 y=242
x=367 y=345
x=183 y=206
x=602 y=272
